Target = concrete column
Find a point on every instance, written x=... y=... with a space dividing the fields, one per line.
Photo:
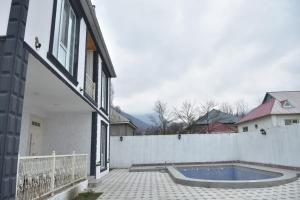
x=13 y=67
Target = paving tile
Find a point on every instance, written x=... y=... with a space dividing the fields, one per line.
x=120 y=184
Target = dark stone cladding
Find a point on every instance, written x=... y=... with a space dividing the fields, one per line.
x=13 y=67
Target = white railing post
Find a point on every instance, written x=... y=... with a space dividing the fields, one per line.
x=53 y=173
x=73 y=166
x=86 y=164
x=17 y=181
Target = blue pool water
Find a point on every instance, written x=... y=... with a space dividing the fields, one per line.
x=226 y=172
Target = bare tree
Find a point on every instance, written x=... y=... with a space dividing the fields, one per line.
x=164 y=116
x=205 y=109
x=226 y=108
x=187 y=114
x=241 y=108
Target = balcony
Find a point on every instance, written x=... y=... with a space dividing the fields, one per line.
x=90 y=87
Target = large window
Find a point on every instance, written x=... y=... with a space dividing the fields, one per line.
x=64 y=36
x=104 y=90
x=103 y=146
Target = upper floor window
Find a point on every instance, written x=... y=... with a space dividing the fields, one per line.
x=245 y=129
x=64 y=38
x=104 y=90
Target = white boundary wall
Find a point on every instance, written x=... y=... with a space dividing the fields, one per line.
x=280 y=146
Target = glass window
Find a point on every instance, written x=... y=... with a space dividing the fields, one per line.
x=287 y=122
x=104 y=90
x=65 y=35
x=245 y=129
x=291 y=121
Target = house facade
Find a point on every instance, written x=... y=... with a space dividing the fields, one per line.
x=55 y=76
x=120 y=125
x=216 y=121
x=277 y=109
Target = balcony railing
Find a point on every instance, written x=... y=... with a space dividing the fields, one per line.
x=39 y=176
x=90 y=86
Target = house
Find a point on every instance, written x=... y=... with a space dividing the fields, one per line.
x=216 y=121
x=277 y=109
x=120 y=125
x=55 y=74
x=141 y=126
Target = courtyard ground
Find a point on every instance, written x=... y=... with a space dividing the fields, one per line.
x=120 y=184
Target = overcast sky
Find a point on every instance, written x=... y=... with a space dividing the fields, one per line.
x=176 y=50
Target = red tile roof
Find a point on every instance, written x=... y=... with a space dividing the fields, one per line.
x=218 y=127
x=260 y=111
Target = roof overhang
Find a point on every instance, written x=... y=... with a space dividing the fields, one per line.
x=90 y=18
x=124 y=123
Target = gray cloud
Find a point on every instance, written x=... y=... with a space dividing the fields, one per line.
x=175 y=50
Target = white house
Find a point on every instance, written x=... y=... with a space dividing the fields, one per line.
x=277 y=109
x=55 y=73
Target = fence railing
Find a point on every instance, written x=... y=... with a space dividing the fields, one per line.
x=39 y=176
x=90 y=86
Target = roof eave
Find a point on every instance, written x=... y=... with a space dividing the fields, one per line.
x=91 y=19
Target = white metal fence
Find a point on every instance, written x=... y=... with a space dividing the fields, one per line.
x=39 y=176
x=280 y=146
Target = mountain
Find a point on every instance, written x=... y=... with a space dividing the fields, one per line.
x=139 y=123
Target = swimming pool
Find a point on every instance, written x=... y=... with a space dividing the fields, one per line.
x=227 y=172
x=230 y=175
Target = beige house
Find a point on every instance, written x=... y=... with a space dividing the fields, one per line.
x=120 y=125
x=277 y=109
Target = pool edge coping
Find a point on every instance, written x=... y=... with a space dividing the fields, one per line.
x=287 y=177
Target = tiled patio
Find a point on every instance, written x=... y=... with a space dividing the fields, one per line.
x=121 y=184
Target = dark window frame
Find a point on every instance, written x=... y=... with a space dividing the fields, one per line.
x=106 y=137
x=104 y=70
x=93 y=155
x=245 y=129
x=51 y=57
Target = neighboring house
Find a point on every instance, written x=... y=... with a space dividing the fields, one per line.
x=216 y=121
x=277 y=109
x=141 y=126
x=55 y=74
x=120 y=125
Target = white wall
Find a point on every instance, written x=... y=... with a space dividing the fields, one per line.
x=28 y=111
x=167 y=148
x=42 y=29
x=67 y=132
x=266 y=122
x=36 y=27
x=280 y=146
x=4 y=15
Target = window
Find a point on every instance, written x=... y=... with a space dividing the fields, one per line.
x=103 y=147
x=245 y=129
x=64 y=37
x=104 y=90
x=90 y=85
x=291 y=121
x=256 y=126
x=286 y=104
